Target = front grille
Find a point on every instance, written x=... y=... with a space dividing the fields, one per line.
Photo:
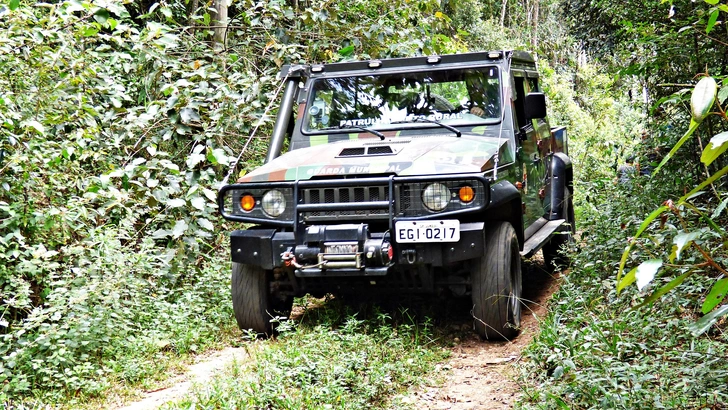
x=346 y=195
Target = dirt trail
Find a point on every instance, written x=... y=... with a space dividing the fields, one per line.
x=479 y=375
x=197 y=373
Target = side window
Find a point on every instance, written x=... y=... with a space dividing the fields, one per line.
x=533 y=85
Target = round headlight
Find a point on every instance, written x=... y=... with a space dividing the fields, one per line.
x=436 y=197
x=274 y=203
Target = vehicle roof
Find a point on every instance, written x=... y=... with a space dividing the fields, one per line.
x=404 y=64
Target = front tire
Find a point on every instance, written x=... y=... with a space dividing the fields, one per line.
x=251 y=298
x=496 y=285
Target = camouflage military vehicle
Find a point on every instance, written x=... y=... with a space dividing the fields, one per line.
x=424 y=174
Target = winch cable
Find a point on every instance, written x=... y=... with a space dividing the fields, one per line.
x=507 y=99
x=252 y=134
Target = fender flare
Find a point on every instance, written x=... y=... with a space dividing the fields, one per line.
x=562 y=177
x=505 y=200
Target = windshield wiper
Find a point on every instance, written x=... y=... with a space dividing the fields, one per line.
x=420 y=119
x=356 y=127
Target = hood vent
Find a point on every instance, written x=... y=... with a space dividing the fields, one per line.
x=379 y=150
x=350 y=152
x=355 y=152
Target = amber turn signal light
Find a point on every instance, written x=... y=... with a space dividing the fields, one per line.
x=247 y=202
x=466 y=194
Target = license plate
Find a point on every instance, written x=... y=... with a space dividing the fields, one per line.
x=447 y=230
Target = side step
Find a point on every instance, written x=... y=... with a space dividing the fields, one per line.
x=540 y=237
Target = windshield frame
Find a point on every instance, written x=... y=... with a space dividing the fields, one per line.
x=414 y=124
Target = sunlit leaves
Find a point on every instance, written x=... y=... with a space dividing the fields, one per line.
x=682 y=240
x=705 y=322
x=646 y=271
x=716 y=295
x=711 y=21
x=718 y=144
x=703 y=98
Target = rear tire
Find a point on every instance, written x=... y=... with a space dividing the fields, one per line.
x=251 y=298
x=496 y=285
x=553 y=253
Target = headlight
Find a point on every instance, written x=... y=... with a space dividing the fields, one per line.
x=435 y=197
x=274 y=203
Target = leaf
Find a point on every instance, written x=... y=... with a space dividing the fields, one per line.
x=663 y=290
x=718 y=144
x=646 y=272
x=712 y=2
x=683 y=239
x=90 y=31
x=627 y=280
x=205 y=224
x=693 y=126
x=716 y=295
x=703 y=98
x=723 y=94
x=194 y=159
x=101 y=16
x=176 y=203
x=719 y=209
x=703 y=184
x=705 y=322
x=38 y=127
x=189 y=116
x=14 y=4
x=198 y=202
x=346 y=51
x=161 y=233
x=179 y=228
x=651 y=217
x=711 y=21
x=218 y=156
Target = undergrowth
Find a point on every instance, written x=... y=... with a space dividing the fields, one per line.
x=597 y=349
x=332 y=358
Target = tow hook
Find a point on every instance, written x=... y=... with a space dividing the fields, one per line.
x=411 y=255
x=289 y=259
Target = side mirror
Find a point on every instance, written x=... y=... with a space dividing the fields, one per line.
x=535 y=106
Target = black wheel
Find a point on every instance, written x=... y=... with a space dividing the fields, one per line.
x=553 y=254
x=496 y=285
x=252 y=302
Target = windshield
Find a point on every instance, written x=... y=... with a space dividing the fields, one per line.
x=464 y=97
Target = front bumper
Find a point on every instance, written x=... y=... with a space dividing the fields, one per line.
x=270 y=248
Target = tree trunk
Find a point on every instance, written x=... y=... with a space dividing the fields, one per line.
x=192 y=6
x=503 y=13
x=220 y=22
x=534 y=21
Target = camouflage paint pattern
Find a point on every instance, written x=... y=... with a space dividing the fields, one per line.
x=431 y=155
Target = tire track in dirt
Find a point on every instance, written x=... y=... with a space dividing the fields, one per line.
x=480 y=374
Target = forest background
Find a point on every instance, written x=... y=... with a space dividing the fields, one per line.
x=119 y=120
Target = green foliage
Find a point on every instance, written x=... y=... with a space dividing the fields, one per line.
x=117 y=125
x=331 y=359
x=700 y=234
x=594 y=350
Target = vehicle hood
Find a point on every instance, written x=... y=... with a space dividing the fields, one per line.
x=402 y=156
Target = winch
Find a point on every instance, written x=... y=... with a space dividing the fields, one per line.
x=337 y=250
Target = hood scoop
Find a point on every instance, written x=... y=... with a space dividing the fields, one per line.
x=361 y=151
